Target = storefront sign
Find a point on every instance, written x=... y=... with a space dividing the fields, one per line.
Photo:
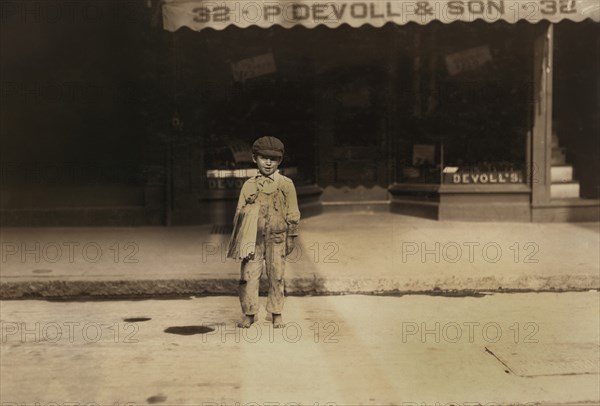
x=467 y=60
x=218 y=14
x=483 y=178
x=253 y=67
x=225 y=183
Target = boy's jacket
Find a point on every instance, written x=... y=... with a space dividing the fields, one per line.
x=284 y=215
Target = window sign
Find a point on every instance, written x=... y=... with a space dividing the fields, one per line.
x=253 y=67
x=468 y=60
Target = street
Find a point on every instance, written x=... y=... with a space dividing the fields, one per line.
x=336 y=350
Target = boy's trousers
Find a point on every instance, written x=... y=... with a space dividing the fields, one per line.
x=270 y=256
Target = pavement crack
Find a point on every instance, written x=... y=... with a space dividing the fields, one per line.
x=508 y=369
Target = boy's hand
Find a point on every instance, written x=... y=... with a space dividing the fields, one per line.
x=290 y=244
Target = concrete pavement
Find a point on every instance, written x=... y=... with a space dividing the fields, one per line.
x=337 y=253
x=498 y=349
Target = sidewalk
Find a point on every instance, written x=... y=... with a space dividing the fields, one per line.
x=338 y=253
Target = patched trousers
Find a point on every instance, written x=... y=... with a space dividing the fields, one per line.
x=269 y=257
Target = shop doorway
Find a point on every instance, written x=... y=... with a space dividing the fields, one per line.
x=352 y=140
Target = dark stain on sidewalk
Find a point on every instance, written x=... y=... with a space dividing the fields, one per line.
x=156 y=399
x=188 y=330
x=136 y=319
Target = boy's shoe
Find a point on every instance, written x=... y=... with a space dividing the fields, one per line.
x=246 y=321
x=278 y=321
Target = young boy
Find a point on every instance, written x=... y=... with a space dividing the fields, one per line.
x=265 y=229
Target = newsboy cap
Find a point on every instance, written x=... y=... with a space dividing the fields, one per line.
x=268 y=146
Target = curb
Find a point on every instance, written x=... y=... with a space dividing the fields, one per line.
x=304 y=286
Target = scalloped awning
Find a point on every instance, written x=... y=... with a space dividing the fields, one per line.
x=219 y=14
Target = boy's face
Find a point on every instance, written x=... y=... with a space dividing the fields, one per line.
x=267 y=165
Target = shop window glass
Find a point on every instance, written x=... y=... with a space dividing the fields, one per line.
x=476 y=91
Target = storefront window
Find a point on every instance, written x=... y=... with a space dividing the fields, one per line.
x=247 y=83
x=474 y=95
